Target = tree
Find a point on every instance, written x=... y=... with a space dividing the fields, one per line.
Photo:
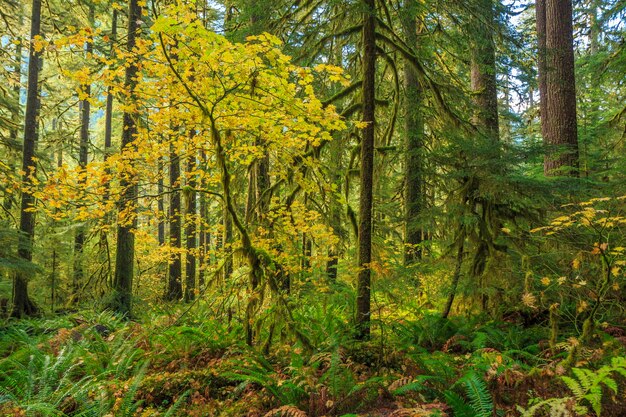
x=22 y=304
x=127 y=221
x=83 y=159
x=175 y=286
x=363 y=309
x=190 y=227
x=414 y=142
x=557 y=86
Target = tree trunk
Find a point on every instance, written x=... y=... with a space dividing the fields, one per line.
x=175 y=286
x=335 y=207
x=558 y=124
x=483 y=71
x=22 y=304
x=16 y=118
x=204 y=235
x=190 y=231
x=363 y=308
x=414 y=144
x=83 y=156
x=125 y=253
x=456 y=277
x=108 y=112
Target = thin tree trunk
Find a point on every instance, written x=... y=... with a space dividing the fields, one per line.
x=204 y=236
x=190 y=231
x=175 y=286
x=160 y=204
x=108 y=112
x=455 y=280
x=334 y=208
x=540 y=13
x=15 y=119
x=83 y=157
x=125 y=253
x=363 y=307
x=22 y=304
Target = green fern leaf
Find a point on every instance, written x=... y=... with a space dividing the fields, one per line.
x=479 y=396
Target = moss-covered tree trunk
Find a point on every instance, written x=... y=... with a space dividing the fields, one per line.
x=363 y=302
x=22 y=304
x=125 y=249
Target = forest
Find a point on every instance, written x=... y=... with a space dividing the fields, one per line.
x=307 y=208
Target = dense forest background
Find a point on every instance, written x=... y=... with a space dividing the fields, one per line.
x=312 y=207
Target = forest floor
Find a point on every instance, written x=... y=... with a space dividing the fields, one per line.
x=87 y=364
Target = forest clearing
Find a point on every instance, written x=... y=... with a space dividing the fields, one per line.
x=308 y=208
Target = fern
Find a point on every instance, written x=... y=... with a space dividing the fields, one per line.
x=587 y=384
x=479 y=404
x=458 y=404
x=479 y=397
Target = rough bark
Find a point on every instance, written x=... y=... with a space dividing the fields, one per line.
x=414 y=143
x=559 y=127
x=22 y=304
x=483 y=71
x=363 y=306
x=125 y=250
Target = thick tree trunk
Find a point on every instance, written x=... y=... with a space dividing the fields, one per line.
x=363 y=307
x=125 y=253
x=559 y=127
x=414 y=144
x=174 y=284
x=22 y=304
x=483 y=71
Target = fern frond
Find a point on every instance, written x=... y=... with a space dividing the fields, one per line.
x=479 y=396
x=458 y=405
x=574 y=386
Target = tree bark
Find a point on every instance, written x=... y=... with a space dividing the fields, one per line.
x=190 y=231
x=414 y=144
x=204 y=238
x=125 y=253
x=483 y=71
x=558 y=124
x=108 y=112
x=83 y=156
x=175 y=286
x=15 y=119
x=363 y=307
x=22 y=304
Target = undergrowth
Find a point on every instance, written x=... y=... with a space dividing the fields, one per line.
x=98 y=365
